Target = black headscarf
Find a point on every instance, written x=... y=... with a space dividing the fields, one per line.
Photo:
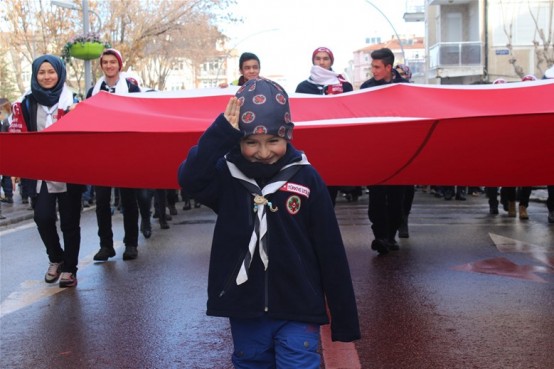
x=50 y=96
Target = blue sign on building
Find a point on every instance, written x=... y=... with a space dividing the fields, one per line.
x=502 y=52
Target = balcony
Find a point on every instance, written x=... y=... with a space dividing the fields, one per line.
x=455 y=54
x=415 y=11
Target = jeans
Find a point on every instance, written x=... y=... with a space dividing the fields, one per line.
x=69 y=206
x=265 y=343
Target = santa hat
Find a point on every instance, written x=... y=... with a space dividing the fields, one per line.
x=264 y=109
x=324 y=50
x=529 y=77
x=115 y=53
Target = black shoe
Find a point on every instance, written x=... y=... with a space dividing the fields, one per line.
x=460 y=198
x=380 y=246
x=25 y=201
x=146 y=228
x=104 y=254
x=393 y=245
x=7 y=200
x=403 y=230
x=172 y=209
x=163 y=224
x=187 y=205
x=493 y=209
x=130 y=253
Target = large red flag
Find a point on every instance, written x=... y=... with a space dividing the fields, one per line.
x=483 y=135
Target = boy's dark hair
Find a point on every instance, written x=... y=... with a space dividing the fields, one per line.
x=385 y=54
x=246 y=57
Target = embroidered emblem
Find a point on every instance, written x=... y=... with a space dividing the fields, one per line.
x=252 y=87
x=281 y=99
x=259 y=130
x=287 y=117
x=248 y=117
x=282 y=131
x=259 y=99
x=241 y=101
x=293 y=204
x=296 y=188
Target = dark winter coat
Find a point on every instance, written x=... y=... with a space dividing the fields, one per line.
x=307 y=261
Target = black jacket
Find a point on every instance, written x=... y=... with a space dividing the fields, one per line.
x=307 y=261
x=372 y=82
x=306 y=87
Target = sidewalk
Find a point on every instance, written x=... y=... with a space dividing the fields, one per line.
x=19 y=212
x=16 y=212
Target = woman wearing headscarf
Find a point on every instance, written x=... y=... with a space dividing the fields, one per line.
x=48 y=100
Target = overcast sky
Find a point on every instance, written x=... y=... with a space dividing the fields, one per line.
x=284 y=33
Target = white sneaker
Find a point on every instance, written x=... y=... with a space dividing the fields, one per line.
x=53 y=272
x=68 y=280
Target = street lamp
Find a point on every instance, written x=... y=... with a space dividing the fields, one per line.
x=86 y=21
x=392 y=26
x=238 y=43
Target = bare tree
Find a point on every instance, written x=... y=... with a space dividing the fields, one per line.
x=544 y=50
x=32 y=29
x=147 y=31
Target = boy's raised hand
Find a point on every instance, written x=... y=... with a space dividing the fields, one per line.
x=232 y=112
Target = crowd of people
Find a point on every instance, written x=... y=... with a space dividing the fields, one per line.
x=236 y=160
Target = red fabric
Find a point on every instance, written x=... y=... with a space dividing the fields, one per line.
x=494 y=135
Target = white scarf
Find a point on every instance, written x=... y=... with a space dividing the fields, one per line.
x=121 y=86
x=322 y=76
x=260 y=228
x=65 y=101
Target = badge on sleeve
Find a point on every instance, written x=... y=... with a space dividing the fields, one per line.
x=293 y=204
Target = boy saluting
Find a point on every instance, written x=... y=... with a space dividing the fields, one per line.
x=277 y=255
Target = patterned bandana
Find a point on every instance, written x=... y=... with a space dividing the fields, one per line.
x=264 y=109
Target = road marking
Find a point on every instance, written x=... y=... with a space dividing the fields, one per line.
x=31 y=291
x=504 y=267
x=18 y=228
x=338 y=355
x=540 y=253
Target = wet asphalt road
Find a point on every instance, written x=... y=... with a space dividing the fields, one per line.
x=449 y=298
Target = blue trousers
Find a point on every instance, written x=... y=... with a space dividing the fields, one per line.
x=265 y=343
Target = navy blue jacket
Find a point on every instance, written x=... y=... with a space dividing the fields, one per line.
x=307 y=261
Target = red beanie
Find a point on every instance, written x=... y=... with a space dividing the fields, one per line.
x=325 y=50
x=115 y=53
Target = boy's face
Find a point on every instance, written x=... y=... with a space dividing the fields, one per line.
x=110 y=66
x=250 y=69
x=381 y=71
x=323 y=60
x=265 y=149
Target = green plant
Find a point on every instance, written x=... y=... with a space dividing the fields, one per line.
x=82 y=38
